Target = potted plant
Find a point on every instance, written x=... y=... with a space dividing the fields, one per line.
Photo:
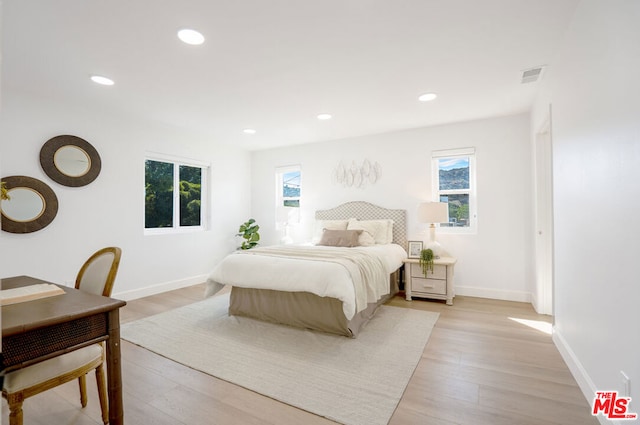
x=4 y=193
x=249 y=231
x=426 y=261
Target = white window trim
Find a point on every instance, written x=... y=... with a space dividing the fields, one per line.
x=205 y=212
x=473 y=199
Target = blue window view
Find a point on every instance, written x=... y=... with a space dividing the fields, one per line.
x=291 y=189
x=453 y=176
x=458 y=209
x=453 y=173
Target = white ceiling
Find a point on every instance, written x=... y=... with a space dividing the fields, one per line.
x=273 y=65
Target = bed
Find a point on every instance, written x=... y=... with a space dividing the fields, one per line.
x=327 y=288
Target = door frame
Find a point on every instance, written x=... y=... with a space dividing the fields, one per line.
x=543 y=219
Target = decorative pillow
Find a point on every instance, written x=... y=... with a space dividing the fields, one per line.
x=381 y=230
x=346 y=238
x=320 y=225
x=366 y=239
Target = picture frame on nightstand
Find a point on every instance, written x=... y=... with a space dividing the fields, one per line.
x=414 y=249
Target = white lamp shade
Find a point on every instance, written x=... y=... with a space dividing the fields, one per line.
x=283 y=214
x=433 y=212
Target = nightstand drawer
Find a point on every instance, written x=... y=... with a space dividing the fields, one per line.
x=439 y=272
x=431 y=286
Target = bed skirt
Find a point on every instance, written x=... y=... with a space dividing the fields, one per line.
x=303 y=309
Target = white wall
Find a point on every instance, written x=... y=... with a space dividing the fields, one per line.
x=495 y=262
x=594 y=91
x=110 y=211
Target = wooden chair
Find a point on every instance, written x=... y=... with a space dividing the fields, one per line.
x=96 y=276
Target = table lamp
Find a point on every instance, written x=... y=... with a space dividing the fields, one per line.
x=283 y=218
x=433 y=212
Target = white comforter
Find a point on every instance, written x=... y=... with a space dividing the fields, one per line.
x=355 y=276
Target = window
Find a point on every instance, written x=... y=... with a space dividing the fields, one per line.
x=174 y=195
x=454 y=183
x=288 y=194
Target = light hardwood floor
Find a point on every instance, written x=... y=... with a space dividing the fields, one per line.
x=480 y=366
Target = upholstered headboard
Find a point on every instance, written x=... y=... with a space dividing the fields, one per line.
x=366 y=211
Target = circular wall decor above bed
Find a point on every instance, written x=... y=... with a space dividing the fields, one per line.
x=31 y=206
x=70 y=160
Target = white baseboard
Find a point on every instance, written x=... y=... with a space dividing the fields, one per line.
x=496 y=294
x=159 y=288
x=579 y=373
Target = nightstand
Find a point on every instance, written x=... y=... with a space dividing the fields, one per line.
x=438 y=284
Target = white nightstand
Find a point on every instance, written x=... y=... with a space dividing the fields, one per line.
x=438 y=284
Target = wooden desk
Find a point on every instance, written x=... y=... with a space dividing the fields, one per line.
x=36 y=330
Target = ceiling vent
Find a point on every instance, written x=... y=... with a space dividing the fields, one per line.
x=532 y=75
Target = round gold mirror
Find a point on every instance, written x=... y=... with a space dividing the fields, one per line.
x=31 y=206
x=70 y=160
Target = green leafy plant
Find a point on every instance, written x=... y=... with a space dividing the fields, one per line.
x=4 y=193
x=249 y=231
x=426 y=260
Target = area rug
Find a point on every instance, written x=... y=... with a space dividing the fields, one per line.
x=350 y=381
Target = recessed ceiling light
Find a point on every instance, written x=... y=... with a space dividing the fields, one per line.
x=324 y=116
x=249 y=131
x=191 y=36
x=102 y=80
x=427 y=97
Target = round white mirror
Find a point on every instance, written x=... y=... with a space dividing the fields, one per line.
x=31 y=206
x=24 y=204
x=72 y=161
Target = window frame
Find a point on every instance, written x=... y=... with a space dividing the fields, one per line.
x=280 y=198
x=205 y=209
x=469 y=153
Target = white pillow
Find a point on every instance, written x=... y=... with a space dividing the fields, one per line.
x=320 y=225
x=381 y=230
x=390 y=232
x=366 y=239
